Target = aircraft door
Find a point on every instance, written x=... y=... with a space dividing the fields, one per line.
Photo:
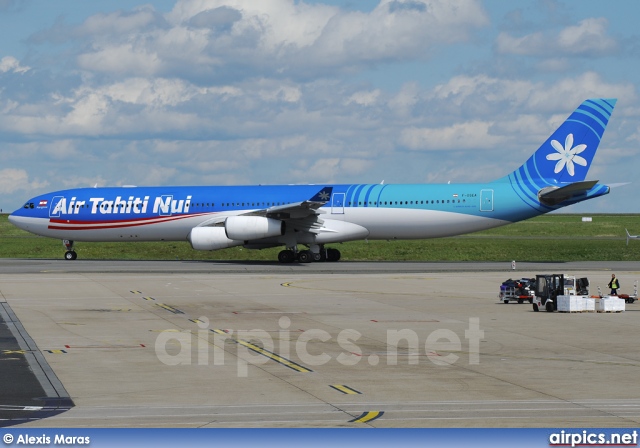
x=486 y=200
x=337 y=204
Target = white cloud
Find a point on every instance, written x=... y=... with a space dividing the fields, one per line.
x=270 y=91
x=12 y=180
x=404 y=101
x=490 y=88
x=11 y=64
x=119 y=22
x=159 y=92
x=470 y=135
x=332 y=168
x=121 y=59
x=477 y=92
x=558 y=65
x=569 y=92
x=75 y=181
x=587 y=38
x=364 y=98
x=219 y=37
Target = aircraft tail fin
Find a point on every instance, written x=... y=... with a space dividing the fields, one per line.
x=567 y=154
x=565 y=157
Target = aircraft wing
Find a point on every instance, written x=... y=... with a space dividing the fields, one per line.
x=297 y=210
x=294 y=210
x=556 y=195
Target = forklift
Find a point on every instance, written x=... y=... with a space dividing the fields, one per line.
x=550 y=286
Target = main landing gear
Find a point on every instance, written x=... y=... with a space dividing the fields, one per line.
x=307 y=256
x=70 y=254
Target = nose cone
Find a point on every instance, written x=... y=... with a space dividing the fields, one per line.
x=18 y=221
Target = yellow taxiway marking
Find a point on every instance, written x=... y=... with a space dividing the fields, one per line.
x=367 y=417
x=273 y=356
x=148 y=298
x=56 y=352
x=170 y=308
x=136 y=292
x=13 y=352
x=345 y=389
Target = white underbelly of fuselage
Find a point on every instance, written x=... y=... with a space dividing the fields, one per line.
x=397 y=223
x=382 y=224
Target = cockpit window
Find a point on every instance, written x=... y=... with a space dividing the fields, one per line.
x=29 y=205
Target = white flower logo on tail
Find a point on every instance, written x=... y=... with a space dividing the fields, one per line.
x=567 y=155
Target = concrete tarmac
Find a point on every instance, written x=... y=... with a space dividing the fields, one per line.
x=206 y=344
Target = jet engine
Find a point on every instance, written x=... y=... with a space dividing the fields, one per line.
x=210 y=238
x=252 y=227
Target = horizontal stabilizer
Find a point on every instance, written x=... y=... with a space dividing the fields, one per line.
x=556 y=195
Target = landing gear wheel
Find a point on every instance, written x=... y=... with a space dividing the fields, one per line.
x=316 y=257
x=305 y=256
x=333 y=255
x=535 y=307
x=286 y=256
x=70 y=254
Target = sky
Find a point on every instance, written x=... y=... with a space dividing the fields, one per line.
x=236 y=92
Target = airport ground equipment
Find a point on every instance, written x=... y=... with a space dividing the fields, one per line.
x=549 y=286
x=517 y=290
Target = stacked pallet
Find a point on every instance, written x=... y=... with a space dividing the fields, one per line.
x=611 y=305
x=576 y=304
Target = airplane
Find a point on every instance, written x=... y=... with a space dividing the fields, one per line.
x=631 y=237
x=314 y=216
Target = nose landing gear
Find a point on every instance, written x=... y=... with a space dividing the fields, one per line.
x=70 y=254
